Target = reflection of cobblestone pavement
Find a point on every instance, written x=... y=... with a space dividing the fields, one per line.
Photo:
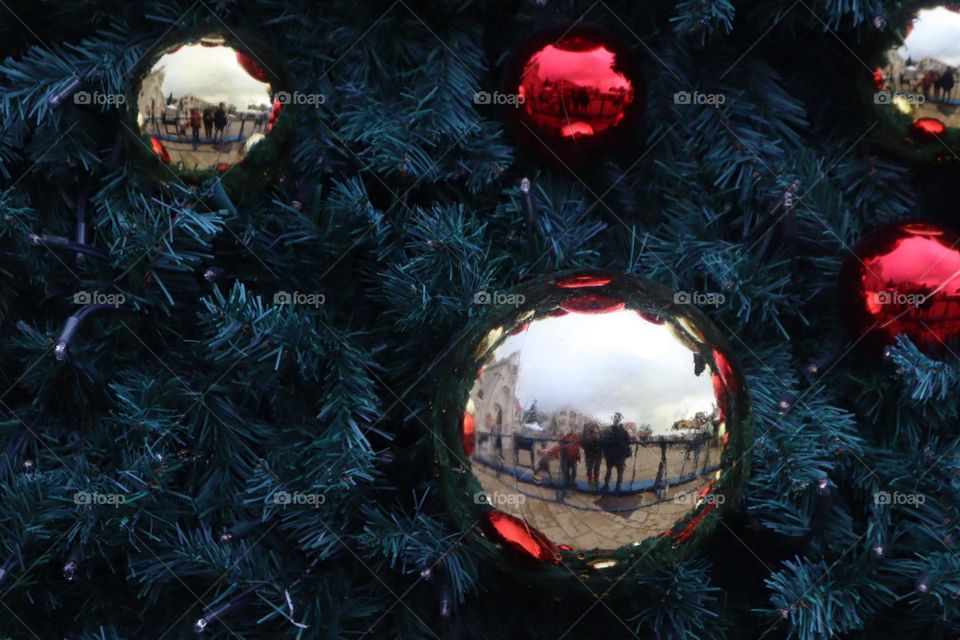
x=209 y=154
x=585 y=519
x=206 y=156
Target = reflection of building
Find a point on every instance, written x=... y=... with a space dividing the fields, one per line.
x=151 y=101
x=494 y=396
x=564 y=419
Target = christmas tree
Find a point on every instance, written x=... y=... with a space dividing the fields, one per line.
x=226 y=313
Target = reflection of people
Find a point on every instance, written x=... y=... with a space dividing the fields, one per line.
x=616 y=450
x=208 y=122
x=569 y=457
x=944 y=84
x=592 y=452
x=195 y=122
x=220 y=120
x=543 y=463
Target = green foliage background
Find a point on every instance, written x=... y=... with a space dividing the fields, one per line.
x=398 y=201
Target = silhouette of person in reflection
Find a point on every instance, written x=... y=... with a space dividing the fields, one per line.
x=582 y=100
x=944 y=84
x=616 y=449
x=195 y=123
x=208 y=123
x=543 y=463
x=592 y=452
x=220 y=120
x=569 y=457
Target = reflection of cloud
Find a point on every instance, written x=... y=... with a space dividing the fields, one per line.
x=934 y=35
x=899 y=264
x=606 y=363
x=210 y=73
x=592 y=68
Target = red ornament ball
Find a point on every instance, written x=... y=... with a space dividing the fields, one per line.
x=904 y=277
x=572 y=93
x=250 y=66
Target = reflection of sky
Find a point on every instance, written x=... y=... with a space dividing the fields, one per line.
x=900 y=264
x=934 y=35
x=213 y=74
x=601 y=364
x=593 y=68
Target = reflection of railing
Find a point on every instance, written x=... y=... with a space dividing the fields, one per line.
x=183 y=130
x=583 y=105
x=542 y=451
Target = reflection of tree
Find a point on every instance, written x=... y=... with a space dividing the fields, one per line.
x=532 y=414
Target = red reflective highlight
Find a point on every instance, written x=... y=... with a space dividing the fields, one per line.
x=160 y=150
x=250 y=66
x=469 y=433
x=590 y=303
x=724 y=383
x=583 y=280
x=929 y=128
x=905 y=279
x=521 y=536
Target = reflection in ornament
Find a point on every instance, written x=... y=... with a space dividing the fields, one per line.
x=904 y=277
x=522 y=536
x=251 y=141
x=929 y=128
x=206 y=104
x=922 y=71
x=160 y=150
x=619 y=421
x=577 y=90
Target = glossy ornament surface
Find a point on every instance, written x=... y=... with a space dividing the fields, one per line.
x=915 y=82
x=205 y=105
x=590 y=420
x=574 y=93
x=904 y=278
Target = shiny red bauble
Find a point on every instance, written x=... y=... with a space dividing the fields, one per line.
x=572 y=93
x=904 y=278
